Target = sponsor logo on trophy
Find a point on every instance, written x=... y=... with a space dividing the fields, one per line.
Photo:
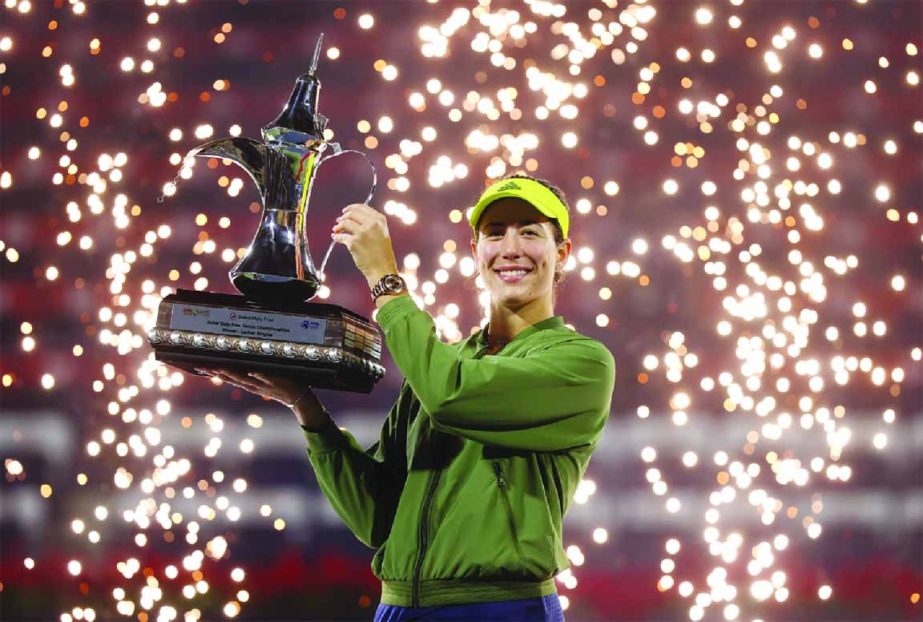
x=270 y=327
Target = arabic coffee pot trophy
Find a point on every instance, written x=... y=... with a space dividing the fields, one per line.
x=270 y=327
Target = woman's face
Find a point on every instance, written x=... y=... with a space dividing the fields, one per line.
x=516 y=253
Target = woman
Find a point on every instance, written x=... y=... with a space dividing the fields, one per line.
x=464 y=494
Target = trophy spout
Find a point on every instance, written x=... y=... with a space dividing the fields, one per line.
x=269 y=169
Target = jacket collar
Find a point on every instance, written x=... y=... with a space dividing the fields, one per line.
x=555 y=321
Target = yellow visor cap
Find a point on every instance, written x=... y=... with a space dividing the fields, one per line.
x=530 y=191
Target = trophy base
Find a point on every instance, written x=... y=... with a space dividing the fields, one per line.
x=274 y=293
x=325 y=346
x=316 y=377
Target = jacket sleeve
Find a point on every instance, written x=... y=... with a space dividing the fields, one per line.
x=363 y=486
x=550 y=400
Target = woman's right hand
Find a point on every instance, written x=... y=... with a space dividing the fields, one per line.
x=283 y=389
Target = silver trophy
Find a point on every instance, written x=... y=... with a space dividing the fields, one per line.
x=271 y=328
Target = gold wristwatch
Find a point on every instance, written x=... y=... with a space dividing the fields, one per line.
x=389 y=284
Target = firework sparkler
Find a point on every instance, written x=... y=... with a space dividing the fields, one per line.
x=740 y=151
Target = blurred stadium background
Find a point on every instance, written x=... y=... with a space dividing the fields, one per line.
x=91 y=135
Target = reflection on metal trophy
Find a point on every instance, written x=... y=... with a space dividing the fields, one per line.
x=271 y=328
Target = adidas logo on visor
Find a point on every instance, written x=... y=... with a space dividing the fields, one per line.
x=512 y=185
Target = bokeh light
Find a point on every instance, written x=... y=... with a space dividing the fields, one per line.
x=745 y=187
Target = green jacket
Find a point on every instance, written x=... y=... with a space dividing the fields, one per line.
x=465 y=492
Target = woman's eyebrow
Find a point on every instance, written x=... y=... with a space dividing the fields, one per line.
x=521 y=223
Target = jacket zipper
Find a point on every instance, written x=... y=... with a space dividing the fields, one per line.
x=423 y=536
x=423 y=532
x=501 y=482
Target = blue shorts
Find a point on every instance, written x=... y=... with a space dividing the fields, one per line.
x=545 y=609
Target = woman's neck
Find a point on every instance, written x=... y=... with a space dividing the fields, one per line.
x=504 y=324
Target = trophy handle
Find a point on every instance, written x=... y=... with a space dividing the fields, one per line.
x=338 y=151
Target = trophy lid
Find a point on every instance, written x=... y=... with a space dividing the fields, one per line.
x=299 y=121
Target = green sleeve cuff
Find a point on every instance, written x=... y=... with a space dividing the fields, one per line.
x=395 y=309
x=328 y=439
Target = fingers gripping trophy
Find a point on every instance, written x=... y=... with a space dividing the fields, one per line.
x=270 y=329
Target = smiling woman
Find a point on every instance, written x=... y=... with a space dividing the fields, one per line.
x=519 y=228
x=478 y=428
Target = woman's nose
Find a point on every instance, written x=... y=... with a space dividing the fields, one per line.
x=511 y=241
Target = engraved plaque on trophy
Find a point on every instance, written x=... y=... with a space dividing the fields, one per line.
x=270 y=328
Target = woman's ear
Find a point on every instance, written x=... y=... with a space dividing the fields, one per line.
x=564 y=250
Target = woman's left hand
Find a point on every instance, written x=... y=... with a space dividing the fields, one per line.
x=364 y=231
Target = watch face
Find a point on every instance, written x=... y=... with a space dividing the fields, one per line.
x=394 y=283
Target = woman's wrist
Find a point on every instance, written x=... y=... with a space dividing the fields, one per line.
x=299 y=399
x=311 y=417
x=373 y=276
x=386 y=298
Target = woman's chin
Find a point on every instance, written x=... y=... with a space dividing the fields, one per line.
x=512 y=299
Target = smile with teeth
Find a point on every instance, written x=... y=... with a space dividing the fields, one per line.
x=512 y=275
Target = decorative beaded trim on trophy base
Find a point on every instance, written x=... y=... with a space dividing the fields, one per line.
x=264 y=347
